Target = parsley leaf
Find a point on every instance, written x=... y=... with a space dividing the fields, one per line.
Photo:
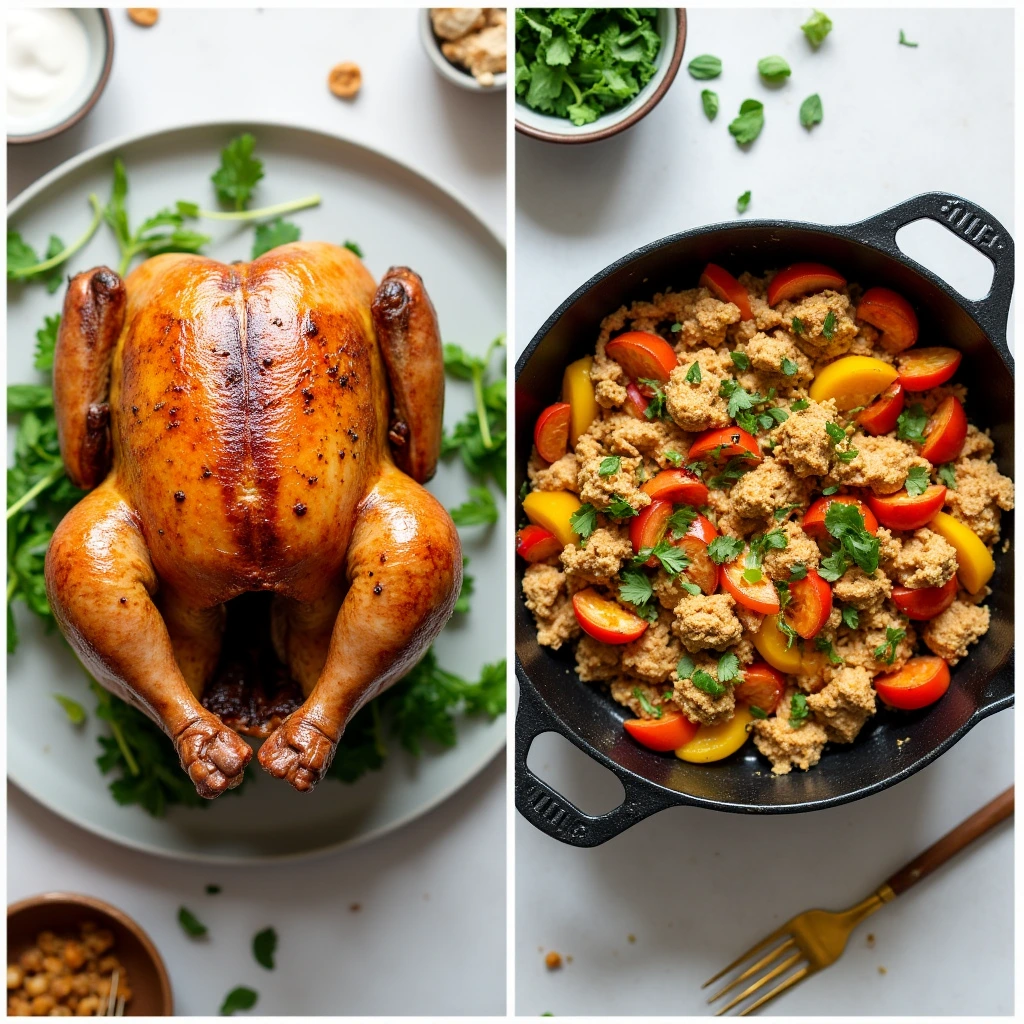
x=787 y=631
x=682 y=518
x=736 y=467
x=823 y=644
x=773 y=69
x=797 y=571
x=277 y=232
x=728 y=667
x=757 y=712
x=743 y=202
x=609 y=465
x=656 y=406
x=947 y=474
x=23 y=264
x=846 y=523
x=797 y=325
x=651 y=709
x=904 y=41
x=725 y=549
x=619 y=508
x=707 y=682
x=673 y=560
x=887 y=652
x=834 y=565
x=239 y=172
x=798 y=710
x=466 y=590
x=748 y=124
x=828 y=328
x=704 y=67
x=799 y=405
x=741 y=360
x=830 y=490
x=46 y=342
x=264 y=945
x=738 y=397
x=691 y=588
x=693 y=374
x=191 y=924
x=353 y=247
x=851 y=617
x=911 y=424
x=810 y=111
x=479 y=509
x=782 y=513
x=840 y=443
x=685 y=667
x=788 y=367
x=709 y=101
x=584 y=520
x=240 y=998
x=816 y=27
x=917 y=481
x=675 y=458
x=635 y=588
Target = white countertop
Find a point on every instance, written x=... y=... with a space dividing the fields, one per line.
x=429 y=936
x=695 y=888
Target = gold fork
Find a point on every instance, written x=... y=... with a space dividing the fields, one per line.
x=815 y=939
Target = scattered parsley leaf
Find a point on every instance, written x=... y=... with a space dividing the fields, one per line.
x=685 y=667
x=911 y=424
x=781 y=513
x=651 y=709
x=277 y=232
x=709 y=101
x=811 y=112
x=887 y=652
x=851 y=617
x=728 y=667
x=24 y=265
x=740 y=360
x=636 y=587
x=240 y=998
x=743 y=202
x=619 y=508
x=264 y=945
x=797 y=572
x=584 y=520
x=788 y=367
x=656 y=406
x=799 y=405
x=239 y=172
x=904 y=41
x=679 y=523
x=46 y=342
x=846 y=523
x=917 y=481
x=691 y=588
x=816 y=27
x=675 y=458
x=797 y=325
x=693 y=374
x=828 y=328
x=830 y=490
x=704 y=67
x=947 y=474
x=748 y=124
x=479 y=509
x=191 y=924
x=673 y=560
x=834 y=565
x=707 y=682
x=353 y=247
x=74 y=710
x=798 y=710
x=773 y=69
x=757 y=712
x=825 y=645
x=725 y=549
x=609 y=465
x=787 y=631
x=840 y=443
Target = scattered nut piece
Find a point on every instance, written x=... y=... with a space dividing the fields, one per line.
x=144 y=16
x=345 y=80
x=871 y=940
x=882 y=970
x=553 y=961
x=631 y=937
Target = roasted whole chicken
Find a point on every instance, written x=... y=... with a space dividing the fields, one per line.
x=263 y=426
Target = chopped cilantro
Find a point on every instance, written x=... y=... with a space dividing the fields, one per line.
x=947 y=474
x=851 y=617
x=707 y=682
x=887 y=652
x=609 y=465
x=825 y=645
x=619 y=508
x=693 y=373
x=741 y=360
x=798 y=710
x=656 y=406
x=798 y=325
x=636 y=587
x=840 y=443
x=782 y=513
x=788 y=367
x=828 y=328
x=685 y=667
x=676 y=328
x=787 y=631
x=917 y=481
x=673 y=560
x=584 y=521
x=830 y=490
x=757 y=712
x=911 y=424
x=797 y=572
x=725 y=549
x=743 y=202
x=675 y=458
x=651 y=709
x=799 y=405
x=728 y=667
x=681 y=520
x=856 y=544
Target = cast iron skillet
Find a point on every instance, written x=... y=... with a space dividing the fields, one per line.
x=553 y=700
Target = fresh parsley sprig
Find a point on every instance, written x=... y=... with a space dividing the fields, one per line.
x=23 y=264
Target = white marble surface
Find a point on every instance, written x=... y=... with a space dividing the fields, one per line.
x=694 y=887
x=429 y=936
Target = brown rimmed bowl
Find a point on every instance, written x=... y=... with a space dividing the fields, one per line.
x=64 y=912
x=672 y=29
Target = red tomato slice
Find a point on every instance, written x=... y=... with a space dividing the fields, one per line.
x=925 y=602
x=814 y=518
x=810 y=605
x=758 y=597
x=922 y=681
x=926 y=368
x=703 y=529
x=727 y=442
x=701 y=570
x=606 y=620
x=762 y=687
x=551 y=432
x=670 y=732
x=882 y=414
x=802 y=279
x=646 y=529
x=636 y=401
x=534 y=543
x=642 y=355
x=892 y=315
x=679 y=485
x=718 y=280
x=947 y=431
x=900 y=511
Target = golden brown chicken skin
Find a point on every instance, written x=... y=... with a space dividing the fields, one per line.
x=236 y=420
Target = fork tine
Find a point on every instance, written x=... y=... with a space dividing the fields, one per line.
x=119 y=1012
x=767 y=940
x=763 y=962
x=115 y=977
x=763 y=980
x=788 y=983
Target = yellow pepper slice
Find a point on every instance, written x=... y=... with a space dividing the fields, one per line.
x=552 y=509
x=771 y=644
x=578 y=391
x=713 y=742
x=852 y=381
x=974 y=563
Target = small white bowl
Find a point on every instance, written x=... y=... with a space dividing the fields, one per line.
x=671 y=26
x=445 y=68
x=99 y=30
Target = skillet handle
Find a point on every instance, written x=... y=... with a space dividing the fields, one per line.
x=548 y=810
x=975 y=226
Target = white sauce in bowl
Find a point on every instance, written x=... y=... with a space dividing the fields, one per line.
x=47 y=61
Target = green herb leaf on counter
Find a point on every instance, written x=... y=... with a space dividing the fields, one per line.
x=728 y=667
x=675 y=458
x=704 y=67
x=947 y=475
x=828 y=328
x=619 y=508
x=748 y=124
x=725 y=549
x=773 y=69
x=707 y=682
x=74 y=710
x=264 y=945
x=887 y=652
x=466 y=590
x=610 y=465
x=904 y=41
x=584 y=521
x=798 y=710
x=213 y=890
x=816 y=27
x=709 y=101
x=46 y=343
x=917 y=481
x=353 y=247
x=740 y=360
x=191 y=924
x=911 y=423
x=240 y=998
x=239 y=172
x=651 y=709
x=810 y=111
x=277 y=232
x=693 y=374
x=851 y=617
x=742 y=203
x=479 y=509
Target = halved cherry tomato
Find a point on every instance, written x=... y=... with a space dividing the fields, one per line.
x=922 y=681
x=882 y=415
x=926 y=368
x=647 y=529
x=925 y=602
x=551 y=432
x=892 y=315
x=714 y=742
x=762 y=687
x=760 y=596
x=677 y=485
x=810 y=605
x=771 y=643
x=718 y=280
x=703 y=529
x=553 y=511
x=642 y=355
x=728 y=442
x=900 y=511
x=578 y=391
x=852 y=381
x=701 y=571
x=534 y=543
x=636 y=401
x=663 y=734
x=814 y=518
x=947 y=431
x=974 y=561
x=606 y=620
x=802 y=278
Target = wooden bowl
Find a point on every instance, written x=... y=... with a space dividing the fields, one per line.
x=64 y=912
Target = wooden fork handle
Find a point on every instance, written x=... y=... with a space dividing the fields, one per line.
x=953 y=842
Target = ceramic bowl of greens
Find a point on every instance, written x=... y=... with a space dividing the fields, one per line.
x=585 y=74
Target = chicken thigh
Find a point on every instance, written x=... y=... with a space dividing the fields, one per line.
x=254 y=427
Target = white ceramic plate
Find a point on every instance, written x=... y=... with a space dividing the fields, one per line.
x=397 y=216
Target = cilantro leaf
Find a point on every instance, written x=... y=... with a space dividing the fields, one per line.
x=240 y=998
x=679 y=523
x=816 y=27
x=887 y=652
x=675 y=458
x=917 y=481
x=725 y=549
x=673 y=560
x=773 y=69
x=239 y=172
x=584 y=520
x=191 y=924
x=799 y=405
x=798 y=710
x=911 y=424
x=46 y=342
x=851 y=617
x=748 y=124
x=947 y=474
x=651 y=709
x=685 y=667
x=728 y=667
x=743 y=202
x=740 y=360
x=656 y=406
x=757 y=712
x=797 y=572
x=693 y=374
x=636 y=587
x=609 y=465
x=791 y=635
x=834 y=565
x=277 y=232
x=828 y=328
x=709 y=101
x=810 y=111
x=479 y=509
x=797 y=325
x=781 y=513
x=707 y=682
x=831 y=489
x=823 y=644
x=846 y=523
x=788 y=367
x=264 y=945
x=619 y=508
x=353 y=247
x=704 y=67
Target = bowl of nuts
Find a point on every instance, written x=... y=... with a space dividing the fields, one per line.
x=467 y=45
x=71 y=955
